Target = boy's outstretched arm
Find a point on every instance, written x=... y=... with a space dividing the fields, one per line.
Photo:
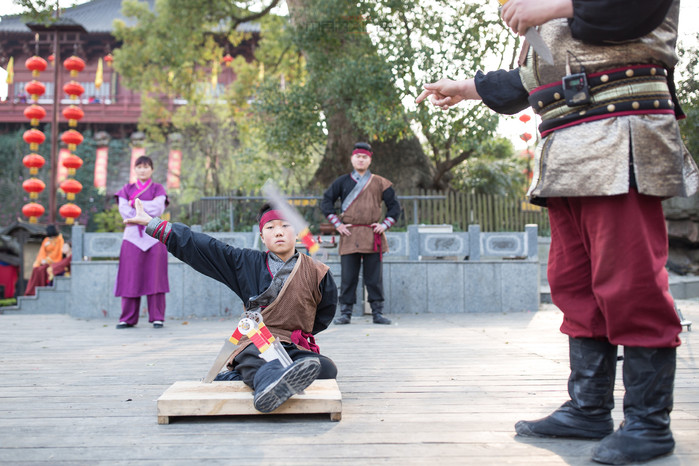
x=205 y=254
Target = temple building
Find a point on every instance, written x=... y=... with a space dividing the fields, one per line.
x=111 y=111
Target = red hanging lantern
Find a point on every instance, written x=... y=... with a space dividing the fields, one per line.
x=33 y=186
x=36 y=65
x=72 y=162
x=524 y=118
x=74 y=65
x=526 y=137
x=34 y=137
x=227 y=59
x=70 y=212
x=71 y=187
x=52 y=58
x=73 y=114
x=33 y=162
x=109 y=59
x=34 y=113
x=72 y=139
x=73 y=89
x=33 y=211
x=35 y=89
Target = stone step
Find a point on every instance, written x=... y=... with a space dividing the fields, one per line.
x=47 y=300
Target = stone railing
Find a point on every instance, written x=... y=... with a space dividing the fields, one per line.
x=429 y=269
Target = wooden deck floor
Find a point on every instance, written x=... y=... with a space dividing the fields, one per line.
x=430 y=389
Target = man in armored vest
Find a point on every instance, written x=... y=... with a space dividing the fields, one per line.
x=362 y=233
x=610 y=152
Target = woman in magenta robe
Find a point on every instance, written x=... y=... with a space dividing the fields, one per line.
x=143 y=259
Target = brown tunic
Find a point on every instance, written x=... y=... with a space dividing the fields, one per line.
x=295 y=307
x=365 y=210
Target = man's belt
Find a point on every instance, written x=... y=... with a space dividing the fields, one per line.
x=631 y=90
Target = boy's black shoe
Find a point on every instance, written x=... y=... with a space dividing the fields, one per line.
x=345 y=315
x=121 y=325
x=380 y=319
x=275 y=384
x=377 y=313
x=344 y=319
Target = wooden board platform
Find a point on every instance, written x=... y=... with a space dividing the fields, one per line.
x=80 y=392
x=235 y=398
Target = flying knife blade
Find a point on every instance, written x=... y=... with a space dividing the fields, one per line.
x=223 y=355
x=540 y=47
x=535 y=40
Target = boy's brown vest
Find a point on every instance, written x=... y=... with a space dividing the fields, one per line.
x=295 y=307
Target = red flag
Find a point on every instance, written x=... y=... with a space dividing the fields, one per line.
x=101 y=161
x=173 y=169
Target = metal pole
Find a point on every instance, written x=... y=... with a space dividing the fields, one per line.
x=54 y=128
x=231 y=214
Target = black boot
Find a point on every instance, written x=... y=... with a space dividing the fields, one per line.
x=345 y=315
x=377 y=313
x=591 y=389
x=649 y=377
x=275 y=384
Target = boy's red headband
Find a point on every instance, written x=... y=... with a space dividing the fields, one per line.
x=362 y=151
x=269 y=216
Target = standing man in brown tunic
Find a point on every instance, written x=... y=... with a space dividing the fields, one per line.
x=362 y=234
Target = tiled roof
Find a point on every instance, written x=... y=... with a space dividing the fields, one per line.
x=94 y=16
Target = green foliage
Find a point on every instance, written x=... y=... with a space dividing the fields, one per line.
x=109 y=220
x=688 y=94
x=496 y=171
x=344 y=74
x=13 y=173
x=40 y=11
x=8 y=301
x=176 y=52
x=425 y=41
x=369 y=60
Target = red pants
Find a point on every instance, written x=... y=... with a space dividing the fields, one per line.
x=607 y=269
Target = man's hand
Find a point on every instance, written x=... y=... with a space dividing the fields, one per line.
x=141 y=218
x=446 y=93
x=378 y=228
x=520 y=15
x=343 y=230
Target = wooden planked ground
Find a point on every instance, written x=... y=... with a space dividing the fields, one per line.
x=429 y=389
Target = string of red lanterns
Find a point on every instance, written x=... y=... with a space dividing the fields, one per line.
x=72 y=139
x=34 y=137
x=526 y=137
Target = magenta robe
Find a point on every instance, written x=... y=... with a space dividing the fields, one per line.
x=142 y=259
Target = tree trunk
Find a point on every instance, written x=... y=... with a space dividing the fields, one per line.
x=403 y=162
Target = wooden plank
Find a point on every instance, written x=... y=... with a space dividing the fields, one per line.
x=75 y=391
x=188 y=398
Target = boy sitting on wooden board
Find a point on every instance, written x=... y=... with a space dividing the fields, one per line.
x=295 y=294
